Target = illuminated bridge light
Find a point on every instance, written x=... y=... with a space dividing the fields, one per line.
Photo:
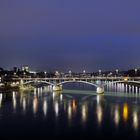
x=125 y=78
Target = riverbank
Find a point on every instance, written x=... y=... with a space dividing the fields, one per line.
x=16 y=88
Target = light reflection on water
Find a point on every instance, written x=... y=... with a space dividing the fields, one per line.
x=56 y=108
x=1 y=96
x=14 y=100
x=71 y=106
x=24 y=104
x=116 y=115
x=69 y=111
x=125 y=112
x=35 y=105
x=84 y=112
x=45 y=107
x=99 y=109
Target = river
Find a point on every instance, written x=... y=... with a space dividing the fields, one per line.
x=70 y=113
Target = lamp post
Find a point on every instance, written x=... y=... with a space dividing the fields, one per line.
x=24 y=74
x=84 y=72
x=100 y=71
x=117 y=71
x=34 y=75
x=45 y=73
x=70 y=72
x=136 y=71
x=56 y=73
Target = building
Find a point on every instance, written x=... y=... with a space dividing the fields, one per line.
x=25 y=68
x=15 y=69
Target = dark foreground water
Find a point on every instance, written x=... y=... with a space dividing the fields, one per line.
x=70 y=114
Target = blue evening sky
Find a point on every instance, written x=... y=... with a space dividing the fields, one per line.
x=70 y=34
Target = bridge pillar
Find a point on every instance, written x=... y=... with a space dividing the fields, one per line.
x=57 y=87
x=21 y=83
x=100 y=90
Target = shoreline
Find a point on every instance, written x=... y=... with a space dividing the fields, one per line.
x=17 y=88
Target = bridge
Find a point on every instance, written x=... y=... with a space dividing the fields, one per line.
x=98 y=82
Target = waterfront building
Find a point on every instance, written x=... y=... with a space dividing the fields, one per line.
x=25 y=68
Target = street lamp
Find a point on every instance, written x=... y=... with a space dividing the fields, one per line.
x=56 y=73
x=117 y=71
x=100 y=72
x=84 y=72
x=34 y=74
x=136 y=71
x=24 y=74
x=70 y=72
x=45 y=73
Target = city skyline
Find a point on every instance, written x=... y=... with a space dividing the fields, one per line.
x=73 y=35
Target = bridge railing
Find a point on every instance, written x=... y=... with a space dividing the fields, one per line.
x=77 y=78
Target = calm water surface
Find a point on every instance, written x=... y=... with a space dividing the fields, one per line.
x=71 y=113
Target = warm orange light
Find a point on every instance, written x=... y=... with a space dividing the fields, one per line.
x=125 y=112
x=74 y=105
x=125 y=78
